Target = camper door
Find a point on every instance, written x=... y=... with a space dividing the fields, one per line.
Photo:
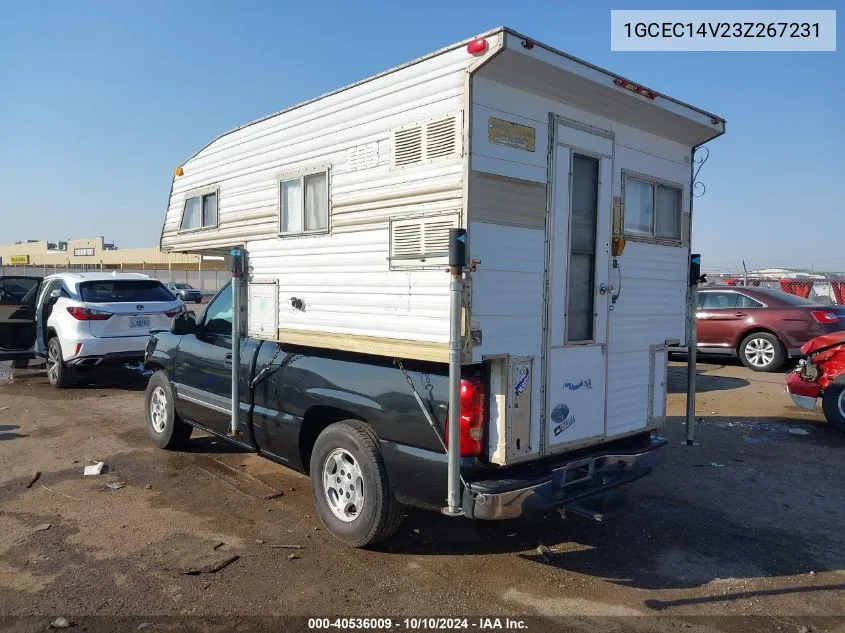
x=578 y=287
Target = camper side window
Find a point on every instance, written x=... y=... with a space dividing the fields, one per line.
x=652 y=209
x=200 y=212
x=304 y=204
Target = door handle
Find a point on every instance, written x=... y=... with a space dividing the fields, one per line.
x=741 y=314
x=228 y=361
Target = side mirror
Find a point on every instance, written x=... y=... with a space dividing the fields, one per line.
x=185 y=323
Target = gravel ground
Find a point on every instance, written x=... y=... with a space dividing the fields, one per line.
x=748 y=522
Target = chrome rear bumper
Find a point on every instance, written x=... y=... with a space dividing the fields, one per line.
x=564 y=483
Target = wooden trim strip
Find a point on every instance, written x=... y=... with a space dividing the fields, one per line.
x=361 y=344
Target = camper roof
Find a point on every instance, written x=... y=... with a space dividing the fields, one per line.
x=674 y=105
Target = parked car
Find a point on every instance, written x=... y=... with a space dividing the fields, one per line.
x=761 y=326
x=78 y=321
x=353 y=424
x=821 y=375
x=185 y=291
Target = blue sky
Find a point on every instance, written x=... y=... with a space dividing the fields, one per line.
x=99 y=101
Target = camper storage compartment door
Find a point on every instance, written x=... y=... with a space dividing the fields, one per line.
x=263 y=309
x=657 y=384
x=511 y=382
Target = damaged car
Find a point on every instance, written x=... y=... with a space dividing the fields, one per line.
x=821 y=374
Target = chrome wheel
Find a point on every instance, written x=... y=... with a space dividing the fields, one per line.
x=343 y=485
x=760 y=352
x=158 y=410
x=54 y=361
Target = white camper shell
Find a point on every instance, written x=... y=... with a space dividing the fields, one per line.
x=574 y=187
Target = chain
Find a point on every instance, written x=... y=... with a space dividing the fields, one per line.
x=275 y=355
x=405 y=373
x=428 y=386
x=428 y=414
x=268 y=368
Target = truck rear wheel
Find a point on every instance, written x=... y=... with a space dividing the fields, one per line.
x=349 y=485
x=833 y=404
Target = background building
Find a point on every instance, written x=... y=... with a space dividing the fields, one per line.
x=41 y=258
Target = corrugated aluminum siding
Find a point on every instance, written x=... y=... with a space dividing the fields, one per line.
x=651 y=307
x=343 y=277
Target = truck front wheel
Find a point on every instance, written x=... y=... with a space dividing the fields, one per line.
x=164 y=425
x=833 y=404
x=349 y=485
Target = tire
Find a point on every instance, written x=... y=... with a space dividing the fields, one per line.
x=762 y=351
x=20 y=363
x=833 y=405
x=347 y=454
x=58 y=373
x=198 y=301
x=164 y=426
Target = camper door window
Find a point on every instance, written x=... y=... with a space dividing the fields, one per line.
x=652 y=209
x=200 y=211
x=304 y=203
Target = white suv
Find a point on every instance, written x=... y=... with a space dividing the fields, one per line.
x=79 y=321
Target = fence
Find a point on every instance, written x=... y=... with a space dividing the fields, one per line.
x=208 y=281
x=829 y=291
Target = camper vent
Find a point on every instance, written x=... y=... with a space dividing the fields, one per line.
x=362 y=156
x=420 y=241
x=407 y=239
x=440 y=138
x=407 y=146
x=425 y=142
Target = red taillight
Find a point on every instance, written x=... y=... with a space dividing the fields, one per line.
x=173 y=313
x=823 y=316
x=87 y=314
x=473 y=415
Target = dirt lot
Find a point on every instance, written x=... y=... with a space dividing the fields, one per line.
x=749 y=522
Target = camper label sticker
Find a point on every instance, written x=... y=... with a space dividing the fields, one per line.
x=586 y=383
x=562 y=419
x=521 y=381
x=511 y=134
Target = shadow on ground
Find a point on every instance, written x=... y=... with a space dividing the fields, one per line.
x=666 y=539
x=704 y=381
x=107 y=378
x=7 y=432
x=658 y=543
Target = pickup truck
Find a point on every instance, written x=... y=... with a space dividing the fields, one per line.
x=355 y=424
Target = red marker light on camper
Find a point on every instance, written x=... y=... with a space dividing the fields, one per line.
x=640 y=90
x=477 y=46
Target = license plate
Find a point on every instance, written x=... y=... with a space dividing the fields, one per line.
x=136 y=322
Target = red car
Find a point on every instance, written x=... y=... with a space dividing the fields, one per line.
x=761 y=326
x=821 y=375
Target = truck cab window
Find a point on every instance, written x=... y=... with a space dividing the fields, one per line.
x=218 y=316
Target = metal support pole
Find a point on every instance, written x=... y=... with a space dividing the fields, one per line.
x=692 y=352
x=237 y=271
x=692 y=345
x=457 y=260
